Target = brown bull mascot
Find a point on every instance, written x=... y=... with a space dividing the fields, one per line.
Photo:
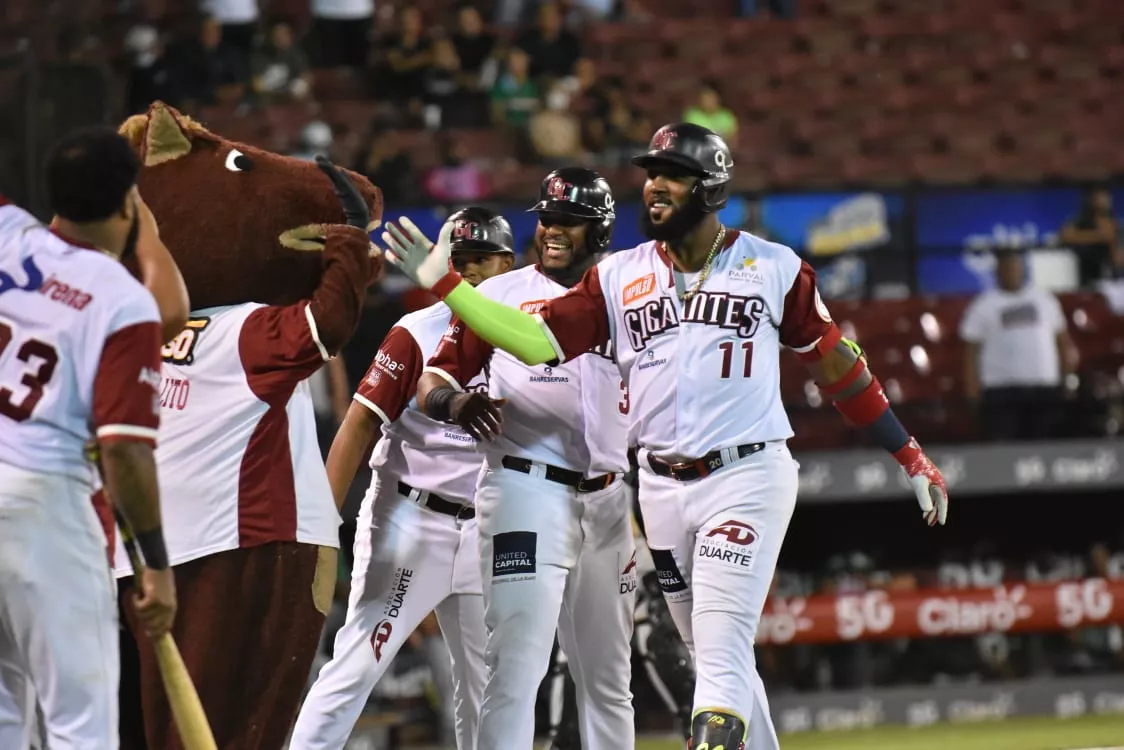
x=277 y=258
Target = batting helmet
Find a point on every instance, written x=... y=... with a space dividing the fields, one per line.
x=580 y=192
x=477 y=229
x=700 y=151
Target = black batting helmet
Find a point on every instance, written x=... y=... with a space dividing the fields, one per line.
x=580 y=192
x=700 y=151
x=477 y=229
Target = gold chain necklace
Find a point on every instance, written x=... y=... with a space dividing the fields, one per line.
x=705 y=272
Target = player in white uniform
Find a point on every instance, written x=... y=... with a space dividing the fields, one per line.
x=415 y=542
x=699 y=317
x=79 y=358
x=555 y=533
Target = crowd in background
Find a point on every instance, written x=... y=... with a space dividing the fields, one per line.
x=531 y=80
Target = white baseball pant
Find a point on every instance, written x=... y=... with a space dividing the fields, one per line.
x=409 y=561
x=58 y=615
x=715 y=543
x=555 y=559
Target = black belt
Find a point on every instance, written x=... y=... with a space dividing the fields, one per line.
x=561 y=476
x=439 y=504
x=700 y=467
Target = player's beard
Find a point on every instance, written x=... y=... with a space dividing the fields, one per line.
x=674 y=229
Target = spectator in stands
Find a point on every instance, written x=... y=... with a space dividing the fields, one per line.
x=441 y=91
x=1093 y=234
x=215 y=73
x=280 y=69
x=474 y=45
x=341 y=32
x=315 y=139
x=709 y=112
x=779 y=8
x=619 y=130
x=150 y=75
x=632 y=11
x=515 y=97
x=590 y=11
x=239 y=21
x=553 y=48
x=456 y=179
x=409 y=52
x=1018 y=354
x=555 y=131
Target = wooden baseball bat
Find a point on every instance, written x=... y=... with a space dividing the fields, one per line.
x=187 y=710
x=195 y=730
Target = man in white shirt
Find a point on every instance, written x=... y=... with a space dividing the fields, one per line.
x=1018 y=354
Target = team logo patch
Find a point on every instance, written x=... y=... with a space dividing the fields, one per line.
x=667 y=572
x=730 y=542
x=663 y=140
x=821 y=308
x=181 y=349
x=513 y=555
x=642 y=287
x=559 y=190
x=628 y=579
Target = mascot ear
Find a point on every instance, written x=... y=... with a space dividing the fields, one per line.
x=157 y=135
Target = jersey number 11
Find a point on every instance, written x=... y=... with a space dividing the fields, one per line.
x=727 y=348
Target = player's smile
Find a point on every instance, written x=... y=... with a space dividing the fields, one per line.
x=558 y=236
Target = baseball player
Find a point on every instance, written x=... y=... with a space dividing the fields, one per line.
x=79 y=358
x=698 y=316
x=555 y=537
x=415 y=543
x=656 y=644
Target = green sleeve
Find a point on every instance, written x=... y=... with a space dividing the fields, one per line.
x=501 y=326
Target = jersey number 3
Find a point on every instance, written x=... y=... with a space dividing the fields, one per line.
x=42 y=359
x=727 y=348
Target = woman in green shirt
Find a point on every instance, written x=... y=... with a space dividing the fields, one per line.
x=710 y=113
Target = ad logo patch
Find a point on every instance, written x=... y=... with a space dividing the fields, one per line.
x=181 y=349
x=731 y=543
x=628 y=578
x=667 y=572
x=513 y=555
x=380 y=637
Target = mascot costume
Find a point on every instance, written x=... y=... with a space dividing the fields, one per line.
x=277 y=258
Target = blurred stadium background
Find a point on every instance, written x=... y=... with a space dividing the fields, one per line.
x=907 y=148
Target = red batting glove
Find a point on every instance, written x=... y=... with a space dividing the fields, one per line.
x=927 y=482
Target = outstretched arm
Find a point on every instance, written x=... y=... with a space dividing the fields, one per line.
x=840 y=370
x=564 y=328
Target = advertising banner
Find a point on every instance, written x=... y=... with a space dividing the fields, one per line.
x=969 y=469
x=935 y=613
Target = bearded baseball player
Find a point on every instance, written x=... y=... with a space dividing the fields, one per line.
x=698 y=316
x=79 y=360
x=555 y=535
x=415 y=545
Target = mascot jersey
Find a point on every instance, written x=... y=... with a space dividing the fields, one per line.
x=238 y=458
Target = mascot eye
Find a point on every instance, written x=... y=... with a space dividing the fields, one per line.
x=236 y=161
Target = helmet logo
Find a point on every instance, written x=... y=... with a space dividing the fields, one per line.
x=722 y=161
x=663 y=140
x=609 y=203
x=466 y=230
x=558 y=189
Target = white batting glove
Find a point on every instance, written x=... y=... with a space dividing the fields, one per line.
x=424 y=262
